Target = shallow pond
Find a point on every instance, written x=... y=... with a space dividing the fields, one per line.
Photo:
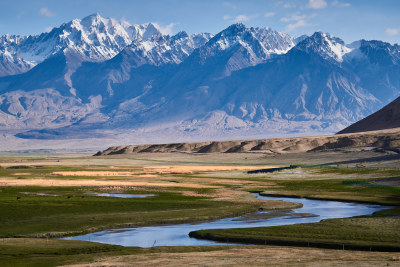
x=178 y=235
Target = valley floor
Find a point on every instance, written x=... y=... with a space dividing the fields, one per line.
x=44 y=197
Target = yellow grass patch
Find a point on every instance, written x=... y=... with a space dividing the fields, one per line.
x=92 y=173
x=151 y=170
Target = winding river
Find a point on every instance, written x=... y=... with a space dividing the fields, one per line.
x=178 y=235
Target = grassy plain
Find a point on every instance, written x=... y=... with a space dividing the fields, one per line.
x=44 y=197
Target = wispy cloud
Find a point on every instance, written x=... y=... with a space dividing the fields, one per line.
x=293 y=17
x=285 y=4
x=392 y=31
x=288 y=5
x=165 y=29
x=44 y=11
x=297 y=21
x=240 y=18
x=317 y=4
x=293 y=26
x=48 y=29
x=229 y=5
x=244 y=18
x=21 y=14
x=269 y=14
x=340 y=4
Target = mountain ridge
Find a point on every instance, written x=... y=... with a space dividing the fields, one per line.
x=248 y=82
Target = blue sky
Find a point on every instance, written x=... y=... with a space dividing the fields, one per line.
x=348 y=19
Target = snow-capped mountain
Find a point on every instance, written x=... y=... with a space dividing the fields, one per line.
x=92 y=38
x=100 y=76
x=324 y=45
x=163 y=49
x=10 y=60
x=240 y=47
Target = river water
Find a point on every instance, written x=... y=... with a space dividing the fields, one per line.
x=178 y=235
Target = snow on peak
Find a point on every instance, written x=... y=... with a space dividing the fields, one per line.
x=94 y=38
x=164 y=49
x=265 y=40
x=245 y=46
x=325 y=45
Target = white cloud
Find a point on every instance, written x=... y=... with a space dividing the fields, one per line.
x=317 y=4
x=244 y=18
x=297 y=21
x=21 y=14
x=48 y=29
x=44 y=11
x=269 y=14
x=288 y=5
x=340 y=4
x=293 y=17
x=298 y=24
x=230 y=5
x=241 y=18
x=165 y=29
x=392 y=31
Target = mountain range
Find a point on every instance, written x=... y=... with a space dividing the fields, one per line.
x=102 y=78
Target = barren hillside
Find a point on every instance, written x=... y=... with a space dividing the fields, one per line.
x=372 y=140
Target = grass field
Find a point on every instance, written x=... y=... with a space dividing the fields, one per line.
x=43 y=197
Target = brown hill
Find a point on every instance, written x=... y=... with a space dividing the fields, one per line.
x=372 y=140
x=386 y=118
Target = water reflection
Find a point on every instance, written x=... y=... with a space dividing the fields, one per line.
x=178 y=235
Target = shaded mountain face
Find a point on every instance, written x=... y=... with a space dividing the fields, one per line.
x=386 y=118
x=241 y=83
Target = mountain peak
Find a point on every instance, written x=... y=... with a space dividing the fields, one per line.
x=180 y=35
x=94 y=18
x=325 y=45
x=234 y=29
x=151 y=26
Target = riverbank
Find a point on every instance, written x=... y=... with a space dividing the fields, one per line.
x=368 y=234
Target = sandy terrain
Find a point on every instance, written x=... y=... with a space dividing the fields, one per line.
x=256 y=256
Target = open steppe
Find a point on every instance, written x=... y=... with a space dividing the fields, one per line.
x=44 y=197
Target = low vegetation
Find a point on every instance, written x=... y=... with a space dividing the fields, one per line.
x=372 y=234
x=51 y=211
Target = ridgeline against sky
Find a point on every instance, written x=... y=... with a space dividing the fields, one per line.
x=350 y=19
